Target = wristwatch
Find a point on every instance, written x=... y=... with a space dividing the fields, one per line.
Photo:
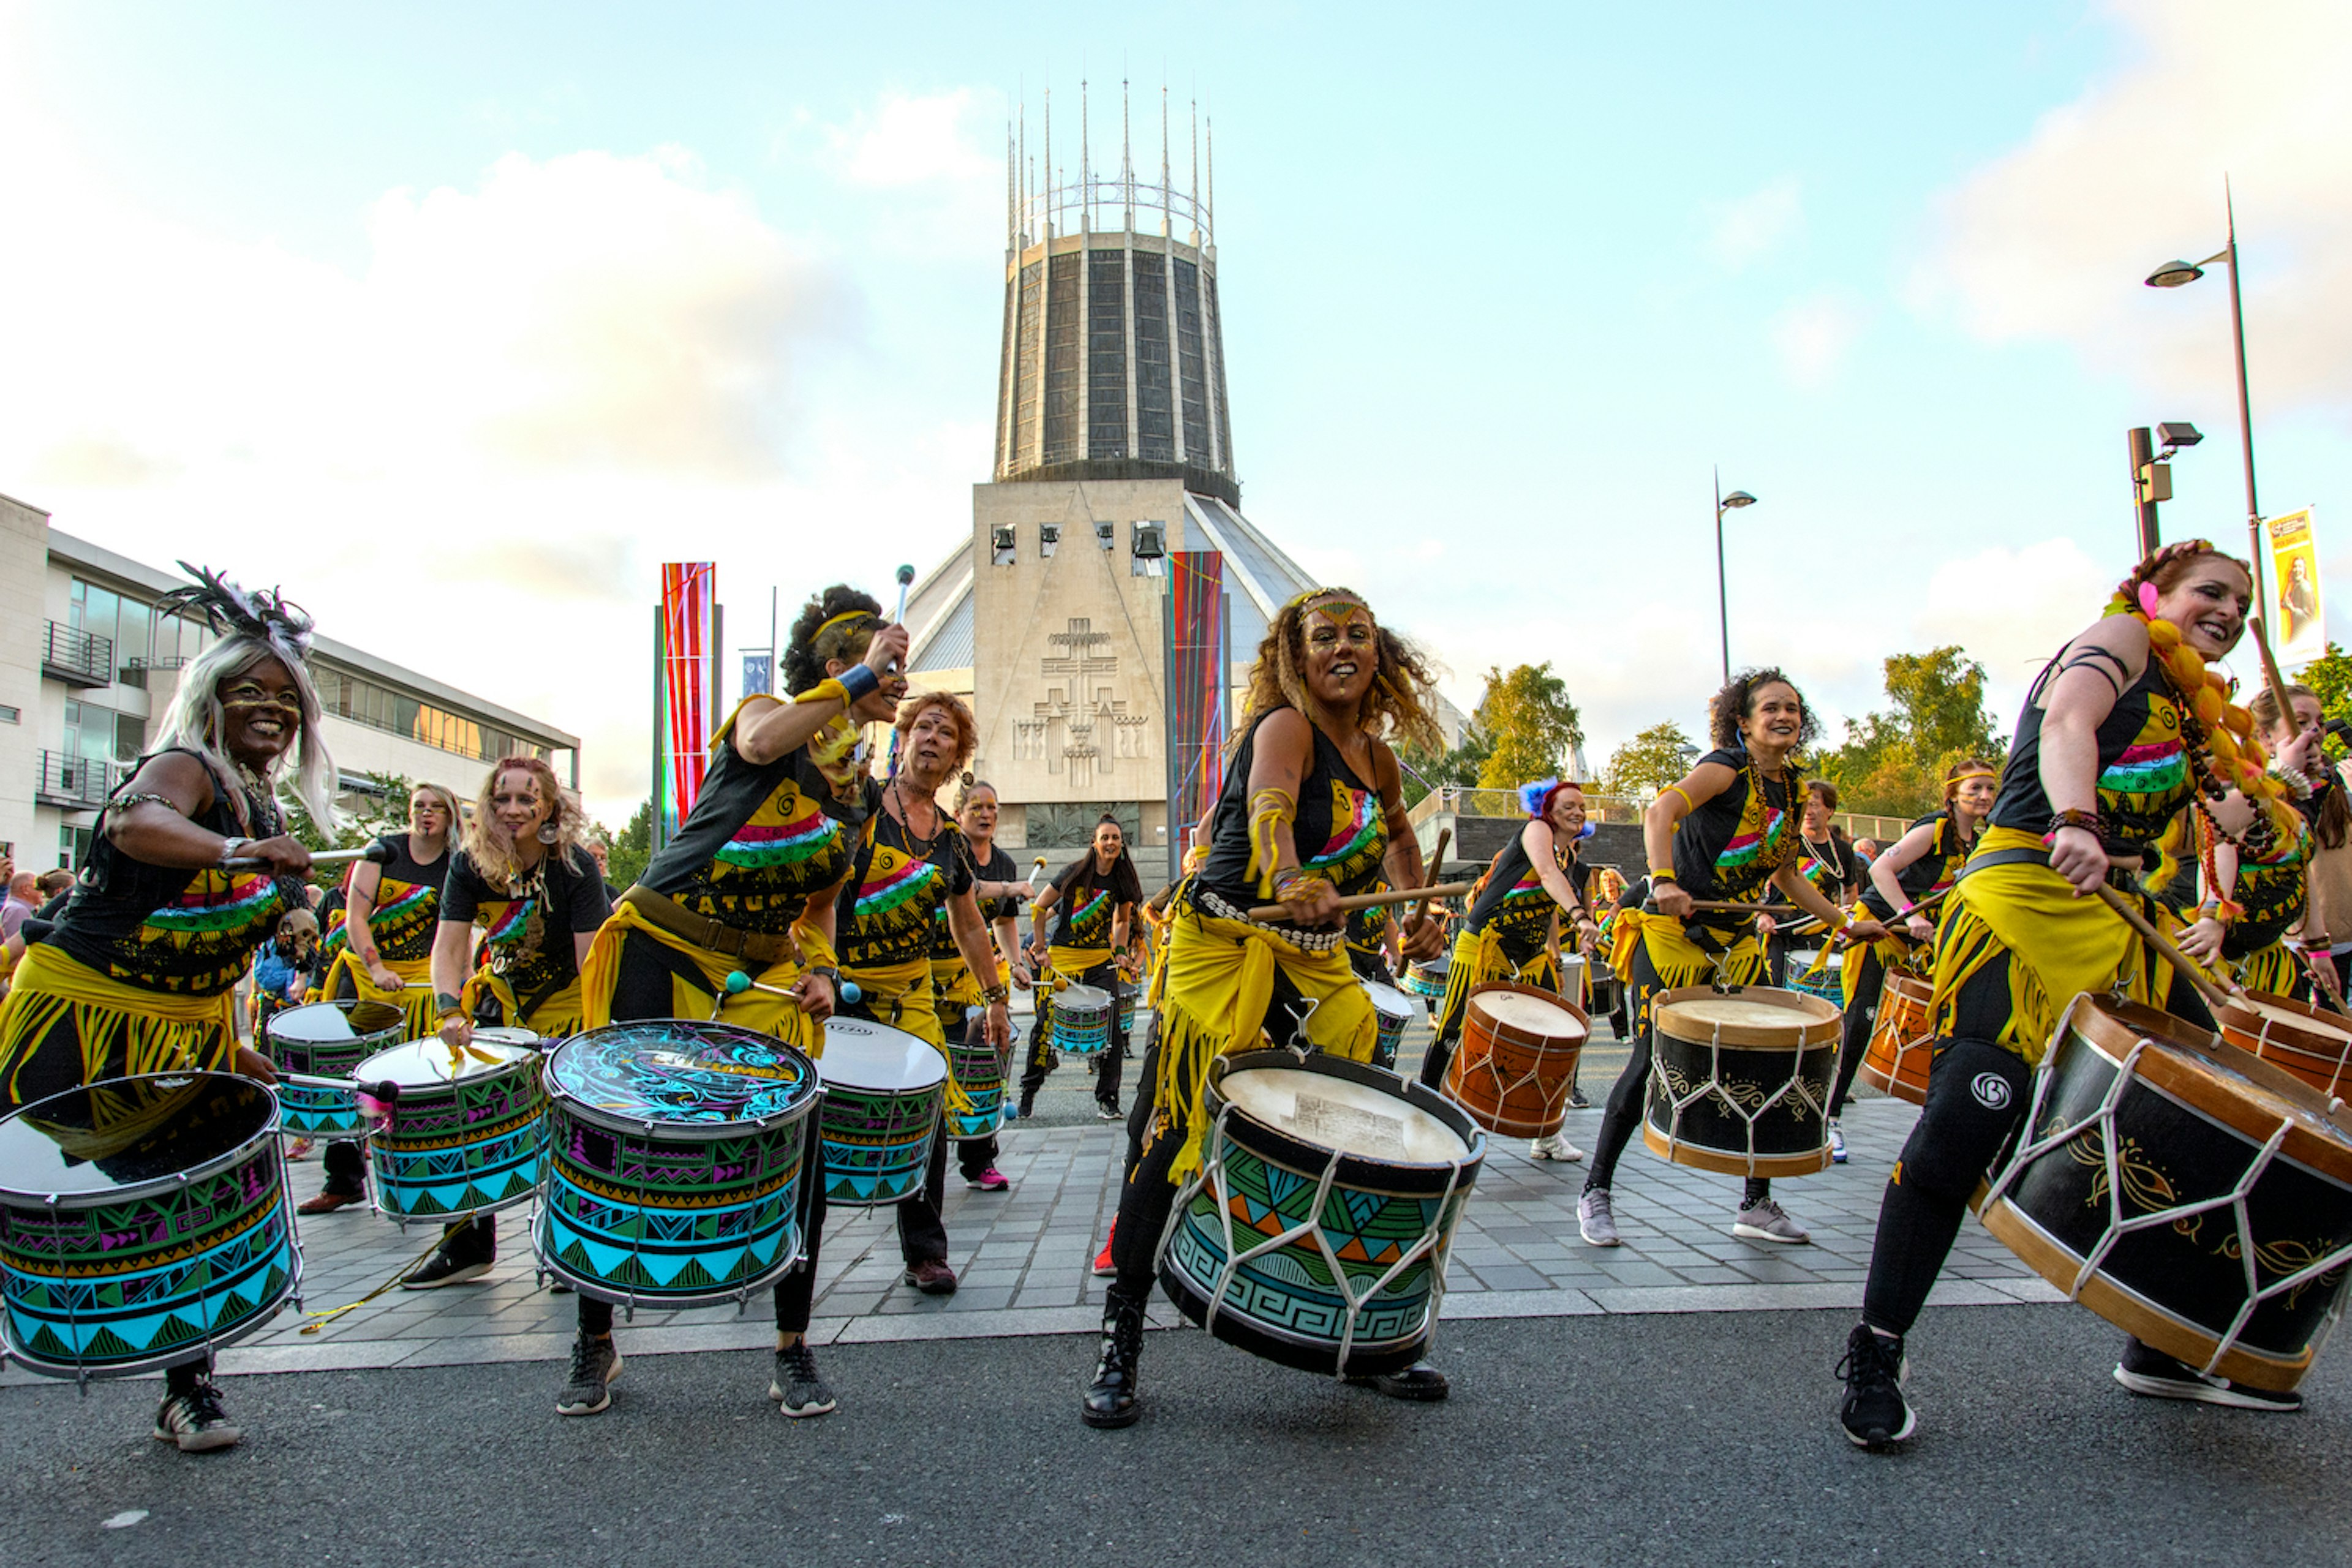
x=228 y=850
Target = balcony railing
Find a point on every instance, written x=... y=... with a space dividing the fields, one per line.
x=77 y=783
x=78 y=657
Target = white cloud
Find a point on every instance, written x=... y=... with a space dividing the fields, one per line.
x=908 y=140
x=2011 y=610
x=1746 y=229
x=2052 y=239
x=1811 y=338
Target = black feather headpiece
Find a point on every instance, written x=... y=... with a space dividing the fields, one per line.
x=262 y=613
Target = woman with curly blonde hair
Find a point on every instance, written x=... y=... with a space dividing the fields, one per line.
x=1312 y=809
x=522 y=876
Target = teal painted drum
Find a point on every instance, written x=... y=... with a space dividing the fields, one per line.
x=979 y=1071
x=884 y=1092
x=314 y=1048
x=673 y=1163
x=450 y=1133
x=143 y=1222
x=1315 y=1234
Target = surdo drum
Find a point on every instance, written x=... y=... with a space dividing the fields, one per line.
x=673 y=1164
x=2312 y=1043
x=1081 y=1020
x=314 y=1048
x=1426 y=979
x=1902 y=1040
x=1516 y=1060
x=1813 y=975
x=1315 y=1234
x=142 y=1220
x=2184 y=1191
x=1739 y=1079
x=884 y=1092
x=979 y=1071
x=451 y=1135
x=1393 y=1010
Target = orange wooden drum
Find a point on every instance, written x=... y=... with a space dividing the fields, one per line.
x=1516 y=1060
x=2314 y=1044
x=1901 y=1041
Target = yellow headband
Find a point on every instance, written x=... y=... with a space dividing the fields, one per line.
x=1973 y=773
x=832 y=621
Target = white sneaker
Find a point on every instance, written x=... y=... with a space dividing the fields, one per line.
x=1767 y=1221
x=1837 y=1143
x=1556 y=1147
x=1596 y=1220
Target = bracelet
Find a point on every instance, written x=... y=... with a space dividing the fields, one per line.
x=1665 y=876
x=831 y=977
x=992 y=994
x=229 y=846
x=448 y=1002
x=144 y=798
x=449 y=1013
x=860 y=681
x=2089 y=822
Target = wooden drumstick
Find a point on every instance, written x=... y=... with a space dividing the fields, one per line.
x=2271 y=676
x=1437 y=869
x=1728 y=906
x=2189 y=969
x=1355 y=901
x=2323 y=974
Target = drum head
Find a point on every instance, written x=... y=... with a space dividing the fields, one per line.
x=1751 y=1015
x=128 y=1131
x=1075 y=999
x=335 y=1023
x=863 y=1055
x=1528 y=1014
x=508 y=1035
x=1389 y=1000
x=682 y=1073
x=1338 y=1113
x=421 y=1064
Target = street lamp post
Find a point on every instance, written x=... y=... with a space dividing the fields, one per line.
x=1724 y=504
x=2172 y=275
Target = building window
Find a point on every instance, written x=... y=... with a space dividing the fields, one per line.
x=74 y=846
x=10 y=715
x=364 y=701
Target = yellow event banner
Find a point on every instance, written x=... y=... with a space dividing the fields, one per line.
x=2297 y=624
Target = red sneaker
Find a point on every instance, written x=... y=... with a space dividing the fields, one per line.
x=1104 y=1267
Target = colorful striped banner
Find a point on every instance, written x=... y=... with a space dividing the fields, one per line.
x=1197 y=682
x=689 y=599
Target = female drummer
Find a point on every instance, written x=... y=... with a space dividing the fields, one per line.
x=1312 y=809
x=2258 y=864
x=1726 y=833
x=2318 y=792
x=997 y=887
x=522 y=876
x=911 y=874
x=392 y=912
x=2107 y=750
x=190 y=869
x=1091 y=903
x=1919 y=865
x=748 y=884
x=1533 y=890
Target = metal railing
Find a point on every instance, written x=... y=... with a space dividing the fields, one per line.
x=78 y=657
x=75 y=782
x=1463 y=800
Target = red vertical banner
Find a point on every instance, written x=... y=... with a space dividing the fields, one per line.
x=689 y=600
x=1197 y=682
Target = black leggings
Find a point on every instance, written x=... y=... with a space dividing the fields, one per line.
x=1623 y=1112
x=1109 y=1066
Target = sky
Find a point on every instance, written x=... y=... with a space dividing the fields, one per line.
x=457 y=320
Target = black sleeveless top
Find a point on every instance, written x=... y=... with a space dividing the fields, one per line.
x=762 y=839
x=2143 y=765
x=1340 y=831
x=1515 y=903
x=1931 y=873
x=171 y=928
x=1730 y=847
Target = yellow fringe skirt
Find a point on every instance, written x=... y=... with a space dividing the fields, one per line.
x=347 y=976
x=65 y=1024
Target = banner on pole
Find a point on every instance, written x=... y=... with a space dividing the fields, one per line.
x=757 y=673
x=689 y=615
x=2299 y=624
x=1197 y=681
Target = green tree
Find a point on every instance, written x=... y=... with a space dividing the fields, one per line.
x=632 y=846
x=1892 y=762
x=1425 y=771
x=383 y=808
x=1658 y=756
x=1532 y=723
x=2330 y=680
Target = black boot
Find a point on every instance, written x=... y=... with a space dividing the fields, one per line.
x=1110 y=1398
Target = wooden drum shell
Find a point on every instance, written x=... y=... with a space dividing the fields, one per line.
x=1756 y=1061
x=2320 y=1053
x=1514 y=1080
x=1902 y=1041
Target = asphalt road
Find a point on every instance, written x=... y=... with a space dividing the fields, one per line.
x=1667 y=1440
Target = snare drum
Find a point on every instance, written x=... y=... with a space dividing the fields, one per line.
x=1394 y=1010
x=1081 y=1022
x=314 y=1048
x=1739 y=1079
x=450 y=1134
x=1317 y=1232
x=1516 y=1060
x=142 y=1221
x=1427 y=979
x=2310 y=1042
x=979 y=1071
x=1126 y=1001
x=674 y=1158
x=1810 y=973
x=510 y=1034
x=1902 y=1042
x=2184 y=1191
x=884 y=1092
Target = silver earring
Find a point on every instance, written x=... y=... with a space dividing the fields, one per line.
x=548 y=834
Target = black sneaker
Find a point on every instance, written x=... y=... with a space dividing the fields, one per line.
x=194 y=1420
x=595 y=1362
x=1027 y=1108
x=2149 y=1371
x=797 y=1389
x=1576 y=1101
x=1106 y=1112
x=443 y=1269
x=1874 y=1413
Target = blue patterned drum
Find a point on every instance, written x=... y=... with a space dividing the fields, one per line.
x=674 y=1162
x=1827 y=981
x=1081 y=1020
x=1343 y=1278
x=1427 y=978
x=884 y=1092
x=142 y=1221
x=1126 y=1004
x=979 y=1071
x=314 y=1048
x=449 y=1134
x=1394 y=1010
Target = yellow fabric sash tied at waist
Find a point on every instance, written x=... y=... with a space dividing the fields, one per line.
x=780 y=1016
x=122 y=1030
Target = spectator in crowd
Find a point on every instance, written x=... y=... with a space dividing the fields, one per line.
x=1867 y=848
x=24 y=897
x=55 y=884
x=283 y=972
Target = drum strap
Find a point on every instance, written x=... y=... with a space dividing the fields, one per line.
x=2120 y=878
x=712 y=936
